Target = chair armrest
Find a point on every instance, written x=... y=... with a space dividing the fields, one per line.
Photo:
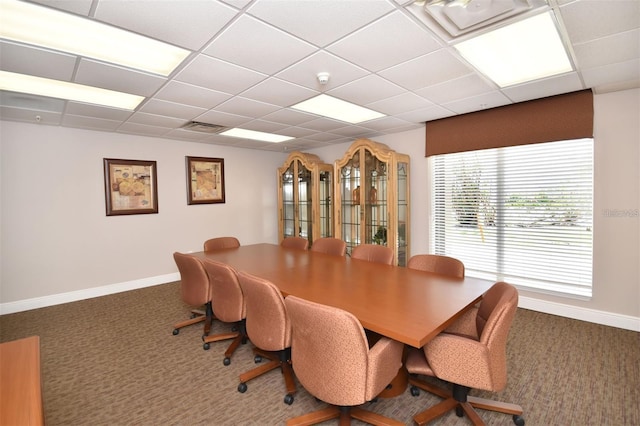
x=460 y=360
x=466 y=324
x=384 y=361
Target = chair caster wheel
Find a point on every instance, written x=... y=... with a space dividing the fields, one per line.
x=415 y=391
x=257 y=359
x=288 y=399
x=205 y=346
x=242 y=387
x=176 y=331
x=518 y=420
x=227 y=361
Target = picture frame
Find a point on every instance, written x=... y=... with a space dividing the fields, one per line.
x=205 y=180
x=131 y=186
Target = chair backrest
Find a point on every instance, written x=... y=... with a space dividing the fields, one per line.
x=438 y=264
x=373 y=253
x=227 y=299
x=220 y=243
x=194 y=281
x=295 y=242
x=329 y=245
x=267 y=322
x=331 y=357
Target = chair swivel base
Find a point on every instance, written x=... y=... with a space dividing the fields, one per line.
x=276 y=359
x=462 y=403
x=345 y=414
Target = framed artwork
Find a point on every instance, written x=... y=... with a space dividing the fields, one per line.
x=205 y=180
x=130 y=186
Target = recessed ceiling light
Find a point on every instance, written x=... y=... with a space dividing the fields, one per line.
x=252 y=134
x=41 y=26
x=331 y=107
x=526 y=50
x=64 y=90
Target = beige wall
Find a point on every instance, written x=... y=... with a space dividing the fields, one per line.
x=56 y=238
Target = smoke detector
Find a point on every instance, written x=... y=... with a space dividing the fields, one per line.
x=323 y=77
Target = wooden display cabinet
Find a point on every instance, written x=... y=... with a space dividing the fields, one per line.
x=305 y=197
x=372 y=198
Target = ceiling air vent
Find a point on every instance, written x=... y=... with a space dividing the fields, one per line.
x=199 y=126
x=458 y=17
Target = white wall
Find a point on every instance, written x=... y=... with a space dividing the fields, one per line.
x=56 y=238
x=56 y=241
x=616 y=270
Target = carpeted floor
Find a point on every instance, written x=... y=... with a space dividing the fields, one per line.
x=114 y=361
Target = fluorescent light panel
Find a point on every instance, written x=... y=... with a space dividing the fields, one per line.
x=526 y=50
x=64 y=90
x=258 y=136
x=41 y=26
x=331 y=107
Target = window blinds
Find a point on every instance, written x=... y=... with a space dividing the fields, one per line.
x=521 y=214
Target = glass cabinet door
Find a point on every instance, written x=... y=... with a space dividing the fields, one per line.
x=373 y=191
x=288 y=202
x=305 y=197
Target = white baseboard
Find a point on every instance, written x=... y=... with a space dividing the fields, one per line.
x=73 y=296
x=584 y=314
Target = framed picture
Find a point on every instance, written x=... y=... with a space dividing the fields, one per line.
x=205 y=180
x=130 y=186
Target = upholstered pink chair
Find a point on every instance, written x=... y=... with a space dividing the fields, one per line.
x=228 y=305
x=295 y=242
x=470 y=355
x=269 y=329
x=329 y=245
x=221 y=243
x=332 y=360
x=373 y=253
x=438 y=264
x=195 y=291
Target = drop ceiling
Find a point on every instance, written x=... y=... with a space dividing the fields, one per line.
x=252 y=60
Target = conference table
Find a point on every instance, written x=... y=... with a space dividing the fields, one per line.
x=407 y=305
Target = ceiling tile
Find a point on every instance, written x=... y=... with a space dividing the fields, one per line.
x=142 y=129
x=218 y=75
x=475 y=103
x=591 y=19
x=222 y=118
x=105 y=113
x=246 y=107
x=625 y=72
x=398 y=104
x=167 y=20
x=189 y=94
x=426 y=114
x=565 y=83
x=91 y=123
x=112 y=77
x=171 y=109
x=79 y=7
x=305 y=72
x=31 y=102
x=279 y=92
x=155 y=120
x=249 y=43
x=459 y=88
x=289 y=116
x=22 y=59
x=360 y=92
x=616 y=48
x=319 y=21
x=427 y=70
x=394 y=39
x=20 y=114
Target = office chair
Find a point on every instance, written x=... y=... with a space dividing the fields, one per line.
x=228 y=305
x=438 y=264
x=295 y=242
x=269 y=329
x=194 y=290
x=329 y=245
x=373 y=253
x=332 y=360
x=471 y=354
x=220 y=243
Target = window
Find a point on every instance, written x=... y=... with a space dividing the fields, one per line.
x=521 y=214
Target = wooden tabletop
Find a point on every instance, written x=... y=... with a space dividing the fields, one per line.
x=404 y=304
x=20 y=383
